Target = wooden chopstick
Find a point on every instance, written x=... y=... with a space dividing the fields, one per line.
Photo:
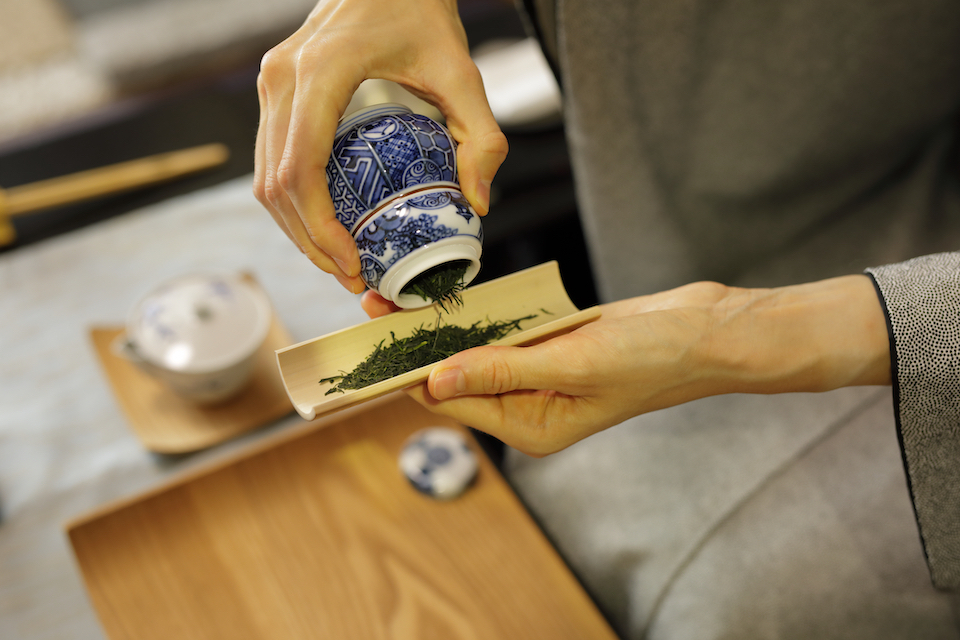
x=111 y=179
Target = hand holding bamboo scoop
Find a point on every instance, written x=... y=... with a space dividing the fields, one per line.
x=103 y=181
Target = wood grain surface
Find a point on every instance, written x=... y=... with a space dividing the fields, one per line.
x=320 y=536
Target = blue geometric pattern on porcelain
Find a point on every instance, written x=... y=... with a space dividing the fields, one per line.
x=421 y=171
x=382 y=154
x=349 y=208
x=432 y=200
x=409 y=224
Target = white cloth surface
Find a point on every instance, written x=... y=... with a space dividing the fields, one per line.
x=65 y=446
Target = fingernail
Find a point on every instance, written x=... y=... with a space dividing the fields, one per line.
x=350 y=284
x=448 y=384
x=483 y=195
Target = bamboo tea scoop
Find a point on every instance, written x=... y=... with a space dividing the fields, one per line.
x=535 y=291
x=103 y=181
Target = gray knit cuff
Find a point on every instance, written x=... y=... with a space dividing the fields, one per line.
x=921 y=298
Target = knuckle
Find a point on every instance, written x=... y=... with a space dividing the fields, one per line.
x=711 y=288
x=499 y=377
x=495 y=143
x=269 y=66
x=273 y=192
x=287 y=175
x=274 y=65
x=273 y=59
x=258 y=191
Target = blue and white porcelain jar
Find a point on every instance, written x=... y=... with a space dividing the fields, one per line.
x=393 y=179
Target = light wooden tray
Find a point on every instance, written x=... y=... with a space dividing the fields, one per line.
x=166 y=423
x=527 y=292
x=317 y=534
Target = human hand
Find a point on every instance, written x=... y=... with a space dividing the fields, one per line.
x=657 y=351
x=306 y=82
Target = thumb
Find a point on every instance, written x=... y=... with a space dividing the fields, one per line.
x=485 y=371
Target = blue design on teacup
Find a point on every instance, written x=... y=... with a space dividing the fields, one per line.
x=371 y=270
x=221 y=289
x=464 y=211
x=410 y=223
x=348 y=206
x=373 y=237
x=151 y=318
x=422 y=171
x=379 y=129
x=436 y=144
x=433 y=200
x=392 y=175
x=377 y=156
x=415 y=233
x=361 y=169
x=402 y=231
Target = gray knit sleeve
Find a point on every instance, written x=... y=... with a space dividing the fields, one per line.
x=921 y=298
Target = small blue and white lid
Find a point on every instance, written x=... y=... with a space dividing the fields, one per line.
x=438 y=462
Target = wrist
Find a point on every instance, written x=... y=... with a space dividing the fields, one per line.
x=811 y=337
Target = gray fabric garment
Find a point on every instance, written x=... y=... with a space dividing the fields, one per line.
x=832 y=535
x=743 y=517
x=757 y=144
x=921 y=299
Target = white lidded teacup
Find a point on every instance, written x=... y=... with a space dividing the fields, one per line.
x=199 y=334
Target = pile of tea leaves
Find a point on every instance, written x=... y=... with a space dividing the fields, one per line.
x=425 y=346
x=442 y=284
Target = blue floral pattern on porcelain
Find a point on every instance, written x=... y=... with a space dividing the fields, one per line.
x=410 y=223
x=385 y=152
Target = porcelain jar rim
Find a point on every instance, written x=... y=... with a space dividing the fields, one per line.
x=423 y=259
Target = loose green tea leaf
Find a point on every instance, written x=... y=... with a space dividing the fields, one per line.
x=425 y=346
x=442 y=284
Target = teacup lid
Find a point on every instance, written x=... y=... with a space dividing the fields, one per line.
x=199 y=323
x=438 y=462
x=366 y=114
